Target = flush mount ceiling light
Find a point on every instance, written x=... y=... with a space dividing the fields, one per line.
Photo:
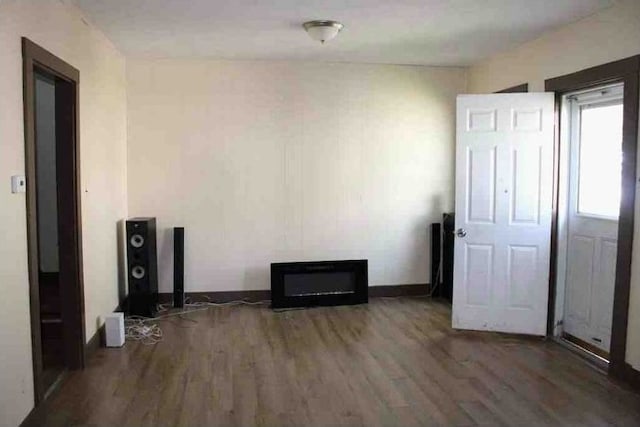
x=322 y=30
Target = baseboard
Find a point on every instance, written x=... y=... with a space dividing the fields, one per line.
x=633 y=376
x=94 y=343
x=627 y=374
x=219 y=296
x=32 y=418
x=98 y=339
x=265 y=295
x=420 y=289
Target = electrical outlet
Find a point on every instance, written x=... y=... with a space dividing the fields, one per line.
x=18 y=184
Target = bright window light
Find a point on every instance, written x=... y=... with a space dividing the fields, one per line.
x=600 y=160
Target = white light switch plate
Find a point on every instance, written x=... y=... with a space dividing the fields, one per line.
x=18 y=184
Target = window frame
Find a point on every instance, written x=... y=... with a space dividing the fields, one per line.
x=610 y=95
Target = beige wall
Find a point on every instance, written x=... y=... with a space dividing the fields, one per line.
x=59 y=28
x=604 y=37
x=281 y=161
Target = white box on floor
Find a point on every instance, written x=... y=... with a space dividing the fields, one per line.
x=114 y=329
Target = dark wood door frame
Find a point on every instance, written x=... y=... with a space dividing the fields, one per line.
x=626 y=71
x=524 y=87
x=67 y=80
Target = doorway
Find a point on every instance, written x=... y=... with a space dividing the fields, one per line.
x=591 y=163
x=608 y=77
x=53 y=216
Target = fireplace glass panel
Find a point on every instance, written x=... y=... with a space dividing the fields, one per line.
x=319 y=283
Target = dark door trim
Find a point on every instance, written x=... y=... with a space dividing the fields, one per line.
x=626 y=71
x=524 y=87
x=67 y=79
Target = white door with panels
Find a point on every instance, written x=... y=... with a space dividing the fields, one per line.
x=595 y=166
x=503 y=202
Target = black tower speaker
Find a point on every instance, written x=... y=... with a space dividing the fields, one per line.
x=436 y=276
x=178 y=267
x=142 y=263
x=448 y=242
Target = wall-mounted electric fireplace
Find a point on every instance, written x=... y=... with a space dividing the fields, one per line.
x=300 y=284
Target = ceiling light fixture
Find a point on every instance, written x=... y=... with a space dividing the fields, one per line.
x=322 y=30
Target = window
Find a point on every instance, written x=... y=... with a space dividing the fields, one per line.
x=599 y=154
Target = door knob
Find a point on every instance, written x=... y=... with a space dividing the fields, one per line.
x=461 y=232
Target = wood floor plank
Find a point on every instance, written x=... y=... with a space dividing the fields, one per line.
x=392 y=362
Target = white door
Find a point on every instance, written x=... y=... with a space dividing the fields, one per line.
x=504 y=178
x=594 y=203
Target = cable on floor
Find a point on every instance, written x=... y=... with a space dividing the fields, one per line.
x=136 y=329
x=140 y=328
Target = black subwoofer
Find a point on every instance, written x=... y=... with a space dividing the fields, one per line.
x=142 y=264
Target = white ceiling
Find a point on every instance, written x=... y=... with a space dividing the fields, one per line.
x=427 y=32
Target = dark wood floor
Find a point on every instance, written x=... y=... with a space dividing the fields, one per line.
x=393 y=362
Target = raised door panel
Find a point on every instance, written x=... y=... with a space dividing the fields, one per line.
x=478 y=265
x=480 y=120
x=602 y=300
x=579 y=280
x=526 y=120
x=526 y=170
x=481 y=185
x=522 y=276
